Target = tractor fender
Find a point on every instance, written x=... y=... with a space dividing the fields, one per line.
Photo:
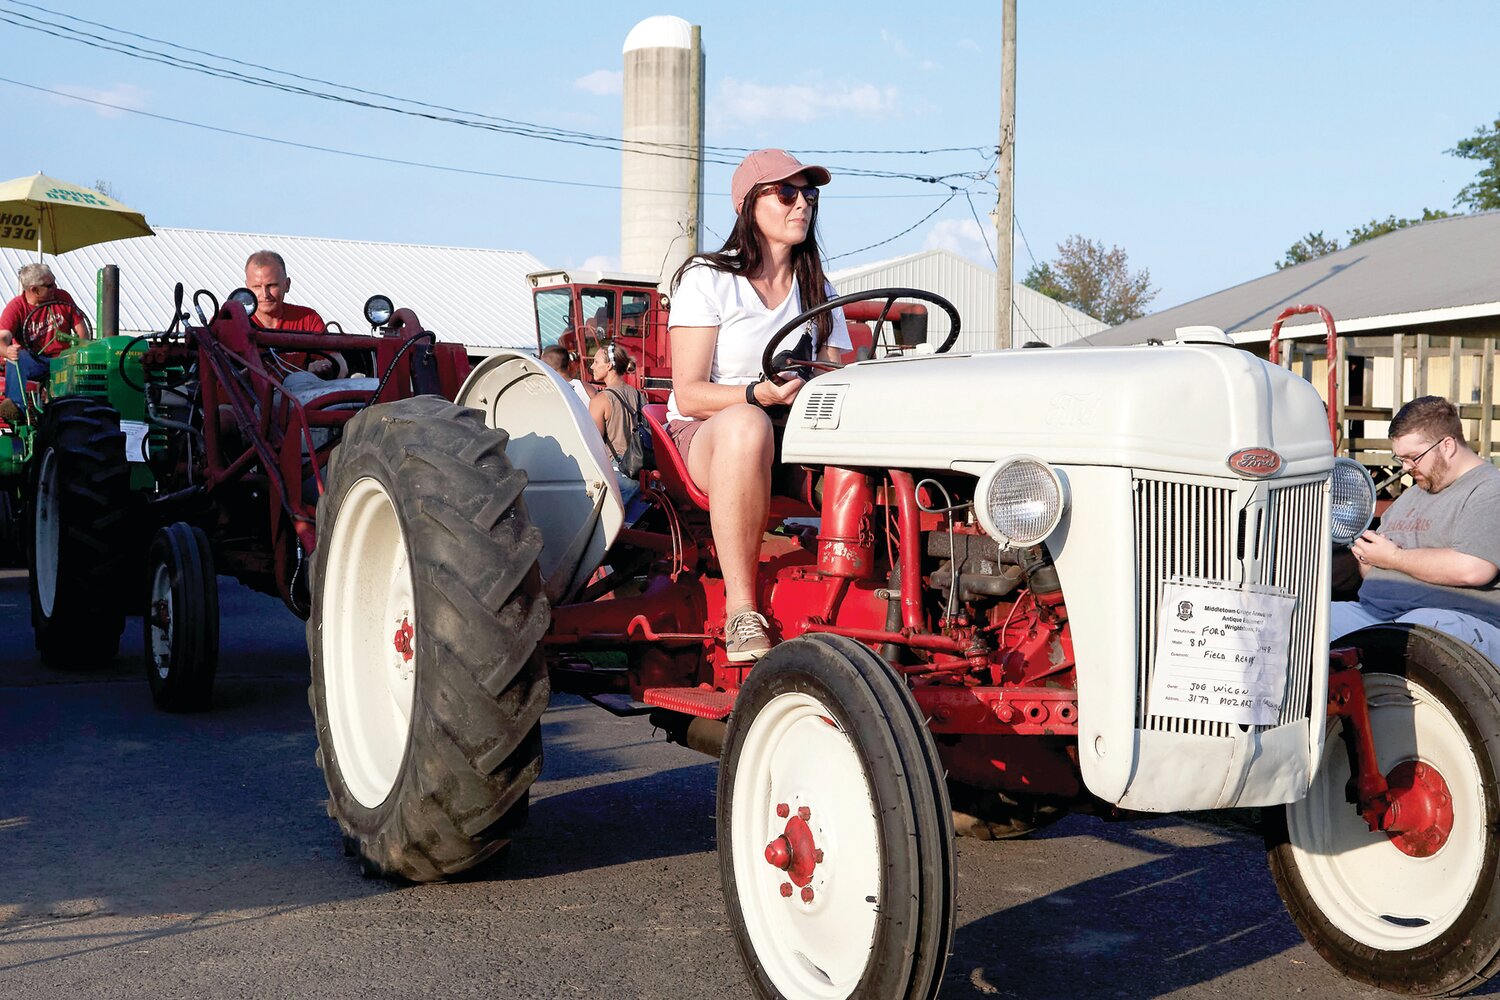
x=572 y=492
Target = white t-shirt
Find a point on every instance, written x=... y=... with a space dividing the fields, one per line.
x=707 y=296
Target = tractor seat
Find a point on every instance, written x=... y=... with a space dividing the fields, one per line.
x=671 y=469
x=673 y=474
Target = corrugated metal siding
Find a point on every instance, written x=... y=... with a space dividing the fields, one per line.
x=971 y=289
x=479 y=298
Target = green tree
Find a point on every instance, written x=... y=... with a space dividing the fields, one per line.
x=1315 y=245
x=106 y=188
x=1379 y=227
x=1483 y=193
x=1095 y=280
x=1311 y=246
x=1043 y=279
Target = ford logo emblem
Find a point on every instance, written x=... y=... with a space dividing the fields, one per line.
x=1255 y=463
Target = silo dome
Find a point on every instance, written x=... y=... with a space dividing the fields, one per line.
x=661 y=32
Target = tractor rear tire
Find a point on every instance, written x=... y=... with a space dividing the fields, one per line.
x=428 y=684
x=81 y=534
x=1420 y=914
x=835 y=833
x=180 y=625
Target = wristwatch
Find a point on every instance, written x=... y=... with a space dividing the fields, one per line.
x=750 y=395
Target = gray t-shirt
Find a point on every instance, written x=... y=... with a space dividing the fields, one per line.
x=1465 y=516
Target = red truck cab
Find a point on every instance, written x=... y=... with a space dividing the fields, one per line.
x=584 y=310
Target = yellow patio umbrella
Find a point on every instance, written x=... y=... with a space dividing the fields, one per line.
x=54 y=216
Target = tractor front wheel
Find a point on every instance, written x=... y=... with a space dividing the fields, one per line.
x=1416 y=912
x=80 y=519
x=835 y=835
x=180 y=626
x=428 y=685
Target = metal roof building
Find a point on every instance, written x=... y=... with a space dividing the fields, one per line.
x=479 y=298
x=971 y=289
x=1438 y=272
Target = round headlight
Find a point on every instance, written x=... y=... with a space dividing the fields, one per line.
x=1353 y=500
x=245 y=299
x=1020 y=500
x=378 y=309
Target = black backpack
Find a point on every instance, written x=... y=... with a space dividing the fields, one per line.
x=640 y=453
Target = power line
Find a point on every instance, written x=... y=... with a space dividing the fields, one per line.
x=982 y=234
x=305 y=145
x=488 y=122
x=914 y=225
x=292 y=143
x=1024 y=241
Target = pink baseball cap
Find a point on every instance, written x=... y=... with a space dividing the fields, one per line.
x=766 y=165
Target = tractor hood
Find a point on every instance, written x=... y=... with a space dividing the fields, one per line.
x=1182 y=408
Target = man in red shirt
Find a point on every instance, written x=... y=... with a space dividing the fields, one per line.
x=265 y=275
x=32 y=329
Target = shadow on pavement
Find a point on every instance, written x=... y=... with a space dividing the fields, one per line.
x=1186 y=915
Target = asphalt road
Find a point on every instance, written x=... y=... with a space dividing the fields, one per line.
x=149 y=855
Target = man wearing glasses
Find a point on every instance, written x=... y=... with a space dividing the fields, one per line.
x=1436 y=558
x=30 y=326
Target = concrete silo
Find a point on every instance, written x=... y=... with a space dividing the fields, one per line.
x=661 y=166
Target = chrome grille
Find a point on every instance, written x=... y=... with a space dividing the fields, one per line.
x=1216 y=533
x=1297 y=543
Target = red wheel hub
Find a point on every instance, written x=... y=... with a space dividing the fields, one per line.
x=1420 y=810
x=403 y=639
x=795 y=852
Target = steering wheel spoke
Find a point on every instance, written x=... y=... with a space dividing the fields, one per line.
x=775 y=369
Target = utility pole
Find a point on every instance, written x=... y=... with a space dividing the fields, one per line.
x=695 y=110
x=1005 y=170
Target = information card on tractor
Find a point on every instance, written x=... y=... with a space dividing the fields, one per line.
x=1221 y=655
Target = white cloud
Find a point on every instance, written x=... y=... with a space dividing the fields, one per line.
x=600 y=262
x=112 y=101
x=963 y=237
x=970 y=44
x=740 y=102
x=603 y=82
x=895 y=44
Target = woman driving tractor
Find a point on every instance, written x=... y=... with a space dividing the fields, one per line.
x=725 y=307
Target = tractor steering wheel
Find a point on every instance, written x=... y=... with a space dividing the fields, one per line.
x=34 y=327
x=309 y=354
x=774 y=365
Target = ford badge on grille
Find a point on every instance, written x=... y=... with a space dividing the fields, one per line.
x=1255 y=463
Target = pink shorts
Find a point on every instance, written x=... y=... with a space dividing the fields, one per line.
x=681 y=432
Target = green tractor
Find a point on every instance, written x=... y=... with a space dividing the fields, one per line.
x=79 y=462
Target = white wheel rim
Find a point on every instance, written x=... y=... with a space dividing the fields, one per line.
x=368 y=682
x=795 y=754
x=44 y=559
x=1366 y=887
x=161 y=622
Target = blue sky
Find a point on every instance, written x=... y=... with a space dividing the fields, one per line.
x=1203 y=139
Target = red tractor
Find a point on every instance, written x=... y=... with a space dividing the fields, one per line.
x=1018 y=582
x=196 y=452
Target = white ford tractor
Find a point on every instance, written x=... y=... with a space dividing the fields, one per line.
x=1013 y=584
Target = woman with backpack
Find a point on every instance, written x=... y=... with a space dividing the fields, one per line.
x=616 y=410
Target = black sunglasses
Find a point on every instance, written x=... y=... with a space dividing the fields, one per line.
x=787 y=193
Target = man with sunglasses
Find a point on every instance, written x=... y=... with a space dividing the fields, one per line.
x=1436 y=558
x=32 y=326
